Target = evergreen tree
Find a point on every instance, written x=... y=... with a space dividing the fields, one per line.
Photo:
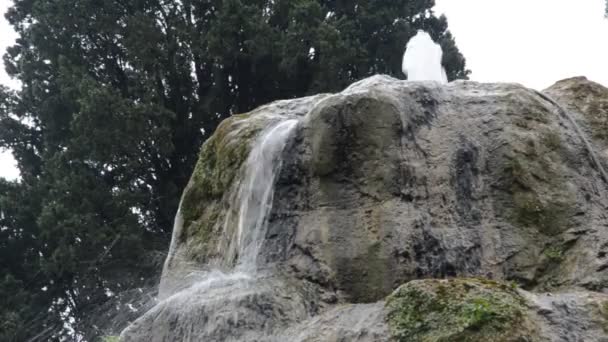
x=117 y=97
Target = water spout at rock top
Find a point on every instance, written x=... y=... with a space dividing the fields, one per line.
x=422 y=59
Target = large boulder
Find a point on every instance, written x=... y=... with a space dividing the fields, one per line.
x=483 y=310
x=390 y=182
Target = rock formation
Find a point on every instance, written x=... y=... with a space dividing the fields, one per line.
x=406 y=211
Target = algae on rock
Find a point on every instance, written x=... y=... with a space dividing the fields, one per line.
x=457 y=310
x=219 y=162
x=535 y=179
x=221 y=159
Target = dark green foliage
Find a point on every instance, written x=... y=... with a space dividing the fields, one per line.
x=116 y=100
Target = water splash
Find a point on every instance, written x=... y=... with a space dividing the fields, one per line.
x=422 y=59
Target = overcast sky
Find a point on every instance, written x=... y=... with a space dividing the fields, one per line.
x=533 y=42
x=7 y=37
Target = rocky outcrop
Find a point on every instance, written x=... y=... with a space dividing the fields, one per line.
x=587 y=102
x=383 y=190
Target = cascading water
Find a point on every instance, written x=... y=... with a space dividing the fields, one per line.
x=256 y=192
x=222 y=293
x=253 y=200
x=422 y=59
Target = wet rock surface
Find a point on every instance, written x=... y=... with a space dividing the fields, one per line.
x=390 y=183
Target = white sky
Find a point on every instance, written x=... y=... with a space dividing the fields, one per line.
x=533 y=42
x=8 y=167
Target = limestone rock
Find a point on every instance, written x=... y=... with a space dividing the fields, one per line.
x=389 y=182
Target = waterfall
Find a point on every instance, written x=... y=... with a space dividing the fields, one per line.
x=256 y=192
x=422 y=59
x=248 y=219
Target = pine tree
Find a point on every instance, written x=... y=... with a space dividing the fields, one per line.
x=118 y=97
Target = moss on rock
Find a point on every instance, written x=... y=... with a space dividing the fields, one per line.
x=554 y=254
x=220 y=160
x=602 y=308
x=458 y=310
x=535 y=184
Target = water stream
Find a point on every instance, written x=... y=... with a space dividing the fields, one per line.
x=253 y=201
x=256 y=192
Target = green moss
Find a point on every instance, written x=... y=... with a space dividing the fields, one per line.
x=604 y=315
x=220 y=160
x=535 y=186
x=479 y=312
x=554 y=254
x=549 y=216
x=456 y=310
x=199 y=231
x=534 y=173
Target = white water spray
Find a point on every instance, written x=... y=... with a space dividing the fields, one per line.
x=422 y=59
